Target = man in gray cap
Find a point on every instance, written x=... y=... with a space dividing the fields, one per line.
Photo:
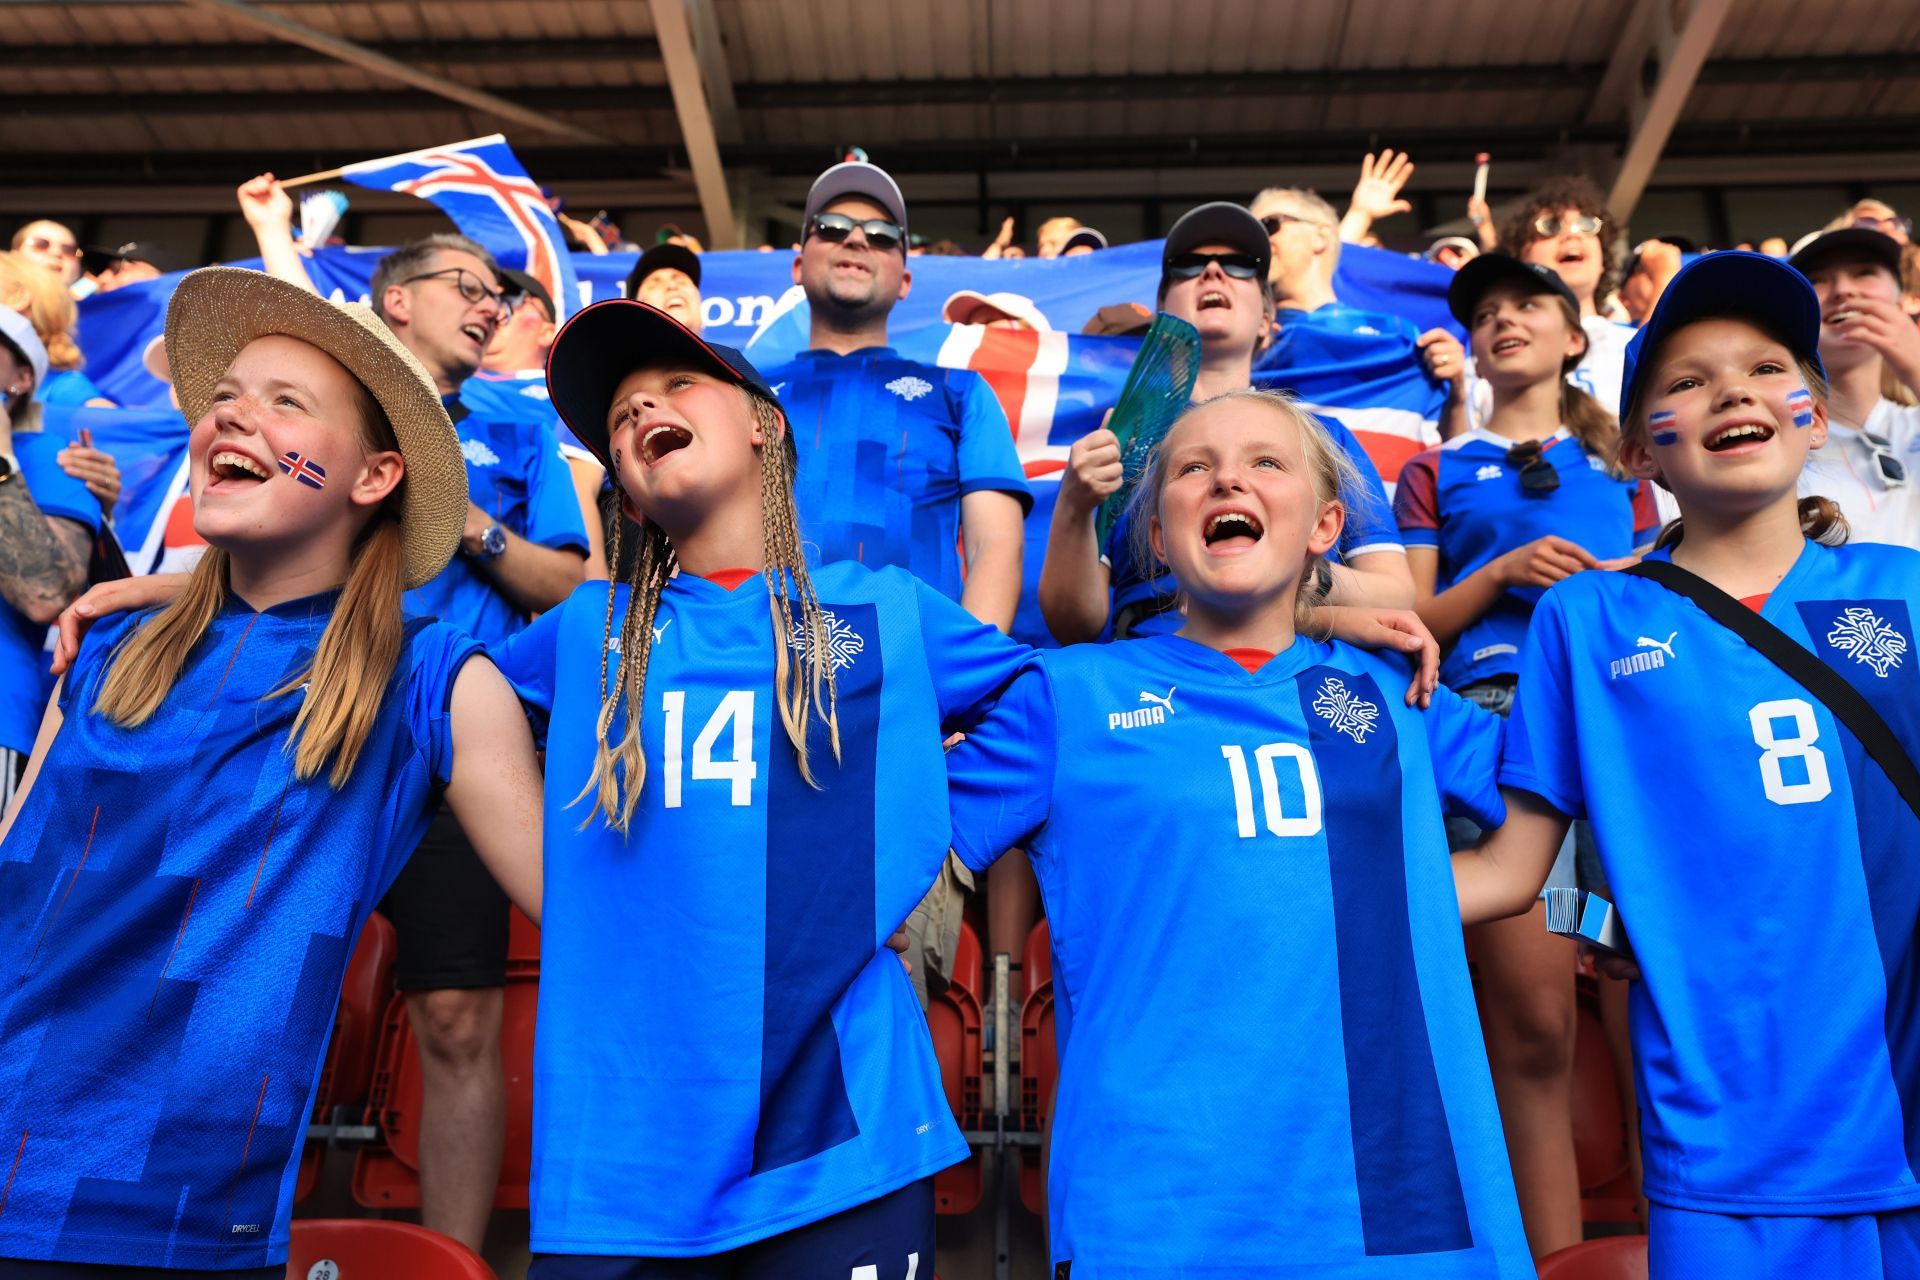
x=900 y=462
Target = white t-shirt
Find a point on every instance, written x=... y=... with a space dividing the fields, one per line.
x=1599 y=372
x=1845 y=471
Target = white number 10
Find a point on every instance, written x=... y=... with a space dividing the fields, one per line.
x=735 y=708
x=1308 y=823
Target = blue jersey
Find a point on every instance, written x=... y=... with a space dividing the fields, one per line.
x=1369 y=528
x=1270 y=1062
x=725 y=1052
x=67 y=386
x=1466 y=502
x=516 y=475
x=517 y=397
x=1765 y=870
x=24 y=680
x=888 y=447
x=176 y=914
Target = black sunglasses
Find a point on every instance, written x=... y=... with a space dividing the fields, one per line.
x=1241 y=266
x=835 y=227
x=1537 y=474
x=471 y=287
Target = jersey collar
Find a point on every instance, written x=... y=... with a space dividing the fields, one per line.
x=1283 y=666
x=864 y=353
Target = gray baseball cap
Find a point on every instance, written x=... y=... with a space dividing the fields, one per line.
x=858 y=178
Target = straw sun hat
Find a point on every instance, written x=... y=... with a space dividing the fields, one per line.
x=217 y=311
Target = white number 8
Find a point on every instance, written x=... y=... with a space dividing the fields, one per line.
x=1806 y=731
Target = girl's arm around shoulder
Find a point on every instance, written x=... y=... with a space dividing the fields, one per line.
x=1502 y=875
x=1388 y=631
x=1000 y=775
x=970 y=662
x=494 y=784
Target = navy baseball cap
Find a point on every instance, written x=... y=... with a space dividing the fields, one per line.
x=664 y=257
x=1221 y=222
x=1733 y=282
x=519 y=282
x=607 y=341
x=1471 y=282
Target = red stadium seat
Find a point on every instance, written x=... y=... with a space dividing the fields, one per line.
x=1607 y=1193
x=369 y=1249
x=1615 y=1258
x=1039 y=1062
x=386 y=1173
x=523 y=946
x=347 y=1070
x=956 y=1021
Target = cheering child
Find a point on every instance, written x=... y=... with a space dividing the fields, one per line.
x=1737 y=718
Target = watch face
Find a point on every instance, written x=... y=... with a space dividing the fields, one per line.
x=494 y=540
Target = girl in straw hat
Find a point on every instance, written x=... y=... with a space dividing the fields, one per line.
x=224 y=788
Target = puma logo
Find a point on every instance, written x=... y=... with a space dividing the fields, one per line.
x=1665 y=646
x=1166 y=702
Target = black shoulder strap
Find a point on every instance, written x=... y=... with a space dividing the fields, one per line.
x=1846 y=703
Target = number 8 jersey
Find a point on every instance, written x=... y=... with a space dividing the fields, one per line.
x=1767 y=872
x=1270 y=1063
x=724 y=1051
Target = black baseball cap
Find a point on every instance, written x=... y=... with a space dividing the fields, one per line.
x=1087 y=236
x=1853 y=242
x=664 y=257
x=1471 y=282
x=526 y=286
x=1221 y=222
x=605 y=342
x=858 y=178
x=146 y=251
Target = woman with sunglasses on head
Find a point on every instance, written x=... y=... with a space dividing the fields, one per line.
x=1213 y=274
x=1491 y=519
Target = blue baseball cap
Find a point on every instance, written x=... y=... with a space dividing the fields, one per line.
x=1733 y=282
x=605 y=342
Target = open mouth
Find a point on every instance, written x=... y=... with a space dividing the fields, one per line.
x=1736 y=434
x=1571 y=255
x=1841 y=317
x=662 y=439
x=479 y=333
x=1506 y=345
x=229 y=464
x=1213 y=298
x=1231 y=530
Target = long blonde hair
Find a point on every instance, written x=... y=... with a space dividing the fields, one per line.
x=39 y=295
x=1333 y=475
x=351 y=665
x=802 y=672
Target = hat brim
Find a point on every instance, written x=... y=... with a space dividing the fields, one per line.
x=1471 y=282
x=1221 y=222
x=858 y=178
x=604 y=343
x=216 y=311
x=1856 y=242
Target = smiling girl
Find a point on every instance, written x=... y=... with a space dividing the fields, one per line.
x=1270 y=1064
x=224 y=788
x=1760 y=857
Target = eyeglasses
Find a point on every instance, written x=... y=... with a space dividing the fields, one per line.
x=1537 y=473
x=40 y=244
x=835 y=227
x=471 y=287
x=1893 y=472
x=1241 y=266
x=1274 y=221
x=1549 y=225
x=1904 y=226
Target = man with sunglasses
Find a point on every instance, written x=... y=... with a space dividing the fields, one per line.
x=900 y=462
x=1871 y=351
x=50 y=244
x=1316 y=330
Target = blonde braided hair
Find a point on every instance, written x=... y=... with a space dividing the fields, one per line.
x=803 y=672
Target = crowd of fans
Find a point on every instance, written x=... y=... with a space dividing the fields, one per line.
x=1551 y=277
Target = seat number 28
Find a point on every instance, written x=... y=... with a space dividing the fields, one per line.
x=1797 y=744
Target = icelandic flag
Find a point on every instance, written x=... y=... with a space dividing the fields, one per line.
x=1663 y=427
x=1800 y=405
x=485 y=189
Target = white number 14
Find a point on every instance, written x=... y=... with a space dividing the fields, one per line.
x=736 y=708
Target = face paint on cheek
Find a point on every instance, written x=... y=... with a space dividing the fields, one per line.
x=304 y=469
x=1662 y=426
x=1800 y=405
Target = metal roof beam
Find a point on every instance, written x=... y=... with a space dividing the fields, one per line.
x=687 y=81
x=224 y=56
x=1682 y=52
x=712 y=52
x=360 y=56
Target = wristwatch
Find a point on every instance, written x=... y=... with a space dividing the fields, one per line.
x=493 y=543
x=9 y=467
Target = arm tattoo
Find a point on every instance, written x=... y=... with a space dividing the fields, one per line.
x=43 y=559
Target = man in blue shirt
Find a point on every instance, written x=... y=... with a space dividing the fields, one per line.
x=47 y=524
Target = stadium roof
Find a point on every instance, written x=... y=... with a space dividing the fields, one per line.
x=734 y=104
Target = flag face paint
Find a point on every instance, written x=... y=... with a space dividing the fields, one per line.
x=1662 y=426
x=304 y=469
x=1800 y=405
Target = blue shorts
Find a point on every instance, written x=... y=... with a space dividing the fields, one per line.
x=886 y=1239
x=1682 y=1244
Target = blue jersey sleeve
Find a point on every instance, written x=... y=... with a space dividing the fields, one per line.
x=553 y=509
x=1465 y=743
x=1542 y=753
x=969 y=661
x=54 y=491
x=527 y=658
x=81 y=685
x=988 y=459
x=1370 y=526
x=1000 y=777
x=438 y=652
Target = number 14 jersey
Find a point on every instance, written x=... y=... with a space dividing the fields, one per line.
x=1767 y=872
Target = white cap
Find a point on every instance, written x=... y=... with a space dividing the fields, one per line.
x=155 y=358
x=18 y=330
x=966 y=306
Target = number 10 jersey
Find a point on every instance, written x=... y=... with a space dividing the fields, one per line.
x=1767 y=872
